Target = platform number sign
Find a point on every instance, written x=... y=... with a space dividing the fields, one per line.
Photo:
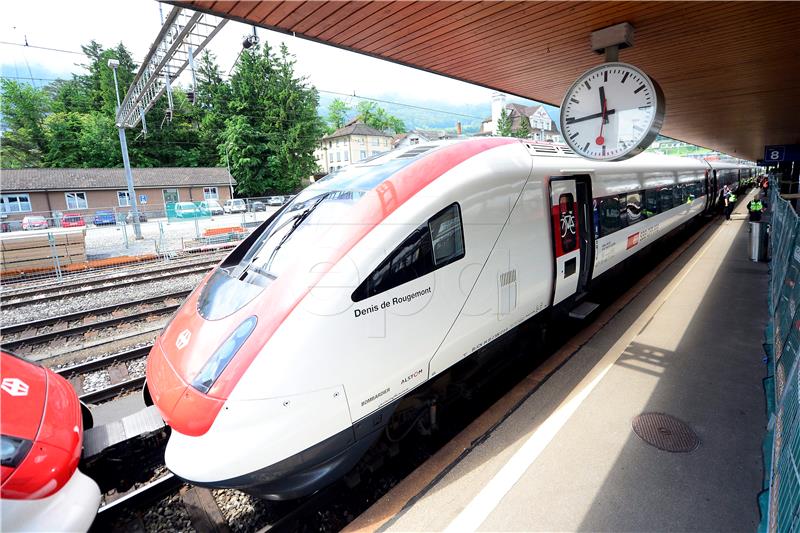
x=774 y=153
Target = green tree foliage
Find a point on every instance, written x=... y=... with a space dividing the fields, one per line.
x=375 y=116
x=524 y=130
x=99 y=83
x=23 y=108
x=265 y=118
x=211 y=102
x=337 y=115
x=273 y=126
x=504 y=123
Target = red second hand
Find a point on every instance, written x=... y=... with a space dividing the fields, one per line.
x=600 y=139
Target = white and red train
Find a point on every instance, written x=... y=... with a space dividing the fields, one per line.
x=42 y=437
x=284 y=365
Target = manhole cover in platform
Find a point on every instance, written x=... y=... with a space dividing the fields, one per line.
x=665 y=432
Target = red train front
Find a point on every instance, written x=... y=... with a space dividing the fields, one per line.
x=42 y=435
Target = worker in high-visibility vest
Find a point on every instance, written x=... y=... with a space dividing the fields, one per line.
x=755 y=208
x=730 y=199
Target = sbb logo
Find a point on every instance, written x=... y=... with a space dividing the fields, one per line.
x=183 y=339
x=15 y=387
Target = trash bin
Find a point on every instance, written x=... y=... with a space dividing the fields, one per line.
x=758 y=241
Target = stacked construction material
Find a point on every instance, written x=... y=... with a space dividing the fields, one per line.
x=42 y=250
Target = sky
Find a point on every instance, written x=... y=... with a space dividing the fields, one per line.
x=68 y=24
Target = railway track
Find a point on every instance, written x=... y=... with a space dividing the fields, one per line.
x=74 y=331
x=115 y=367
x=202 y=508
x=11 y=289
x=47 y=294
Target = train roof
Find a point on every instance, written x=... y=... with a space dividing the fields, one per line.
x=556 y=158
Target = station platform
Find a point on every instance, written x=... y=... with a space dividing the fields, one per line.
x=558 y=453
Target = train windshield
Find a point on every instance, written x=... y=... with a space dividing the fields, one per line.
x=304 y=222
x=299 y=226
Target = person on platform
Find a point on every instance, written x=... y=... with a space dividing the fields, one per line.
x=728 y=198
x=755 y=207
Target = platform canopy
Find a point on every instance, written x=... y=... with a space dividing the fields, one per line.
x=730 y=71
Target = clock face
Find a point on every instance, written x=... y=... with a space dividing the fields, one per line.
x=612 y=112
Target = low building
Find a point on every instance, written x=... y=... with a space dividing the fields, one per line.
x=51 y=192
x=542 y=126
x=354 y=142
x=414 y=137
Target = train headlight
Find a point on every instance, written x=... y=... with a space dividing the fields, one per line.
x=216 y=363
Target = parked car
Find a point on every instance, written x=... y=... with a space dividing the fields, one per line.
x=72 y=220
x=257 y=205
x=275 y=200
x=34 y=222
x=129 y=217
x=211 y=207
x=186 y=210
x=104 y=218
x=235 y=206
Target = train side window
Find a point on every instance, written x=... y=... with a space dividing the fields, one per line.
x=633 y=207
x=665 y=198
x=437 y=243
x=622 y=200
x=609 y=209
x=677 y=195
x=447 y=236
x=650 y=202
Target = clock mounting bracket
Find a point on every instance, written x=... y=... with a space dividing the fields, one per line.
x=612 y=39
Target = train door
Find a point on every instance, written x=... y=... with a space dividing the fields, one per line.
x=711 y=190
x=573 y=235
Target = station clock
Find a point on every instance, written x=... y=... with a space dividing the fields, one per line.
x=612 y=112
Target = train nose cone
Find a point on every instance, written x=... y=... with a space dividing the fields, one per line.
x=183 y=408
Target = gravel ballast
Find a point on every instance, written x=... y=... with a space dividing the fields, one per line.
x=74 y=304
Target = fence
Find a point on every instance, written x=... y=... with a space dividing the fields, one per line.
x=781 y=498
x=54 y=248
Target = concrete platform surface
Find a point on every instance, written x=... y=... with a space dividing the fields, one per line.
x=688 y=345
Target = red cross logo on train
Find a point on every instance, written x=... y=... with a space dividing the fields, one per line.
x=15 y=387
x=183 y=339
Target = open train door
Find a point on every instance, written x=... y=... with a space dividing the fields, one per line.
x=711 y=190
x=573 y=235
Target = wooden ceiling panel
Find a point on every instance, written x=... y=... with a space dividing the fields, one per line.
x=730 y=70
x=437 y=33
x=344 y=11
x=421 y=22
x=397 y=21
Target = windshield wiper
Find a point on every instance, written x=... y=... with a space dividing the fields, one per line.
x=298 y=219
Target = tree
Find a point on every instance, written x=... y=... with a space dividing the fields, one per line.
x=337 y=115
x=273 y=126
x=63 y=132
x=375 y=116
x=211 y=101
x=524 y=130
x=99 y=83
x=23 y=108
x=99 y=143
x=503 y=128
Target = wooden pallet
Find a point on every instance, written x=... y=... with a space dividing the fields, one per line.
x=19 y=252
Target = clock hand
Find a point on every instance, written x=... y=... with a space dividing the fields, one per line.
x=600 y=139
x=603 y=102
x=571 y=120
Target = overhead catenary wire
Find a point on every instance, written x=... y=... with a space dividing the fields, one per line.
x=25 y=45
